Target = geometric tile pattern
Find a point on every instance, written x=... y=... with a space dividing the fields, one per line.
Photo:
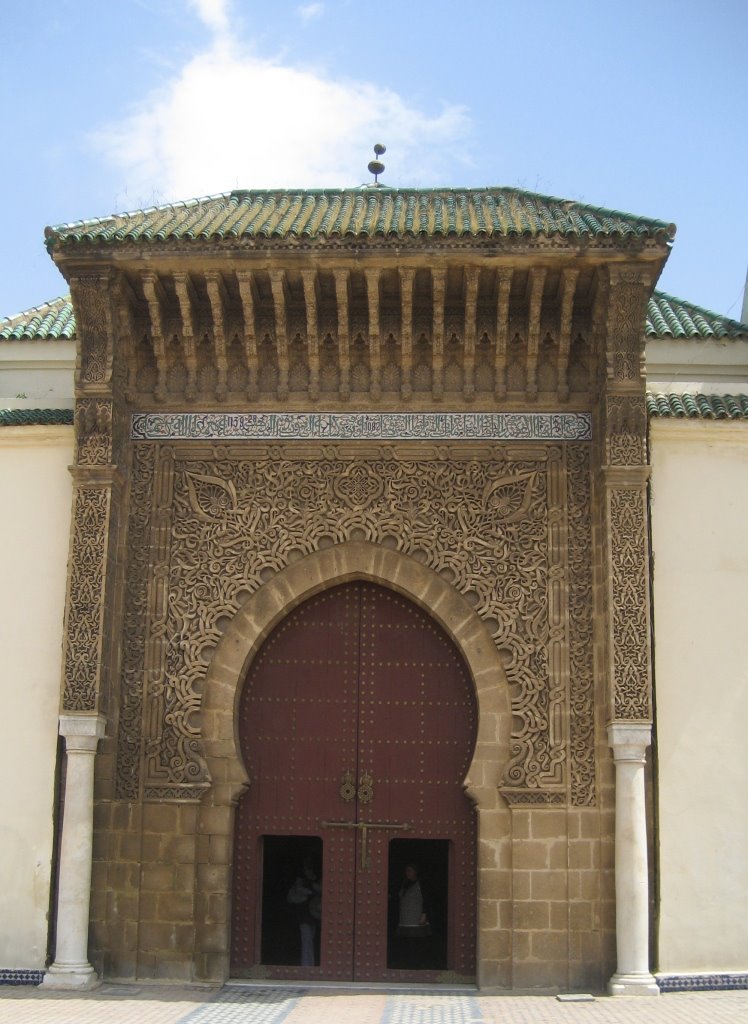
x=246 y=1006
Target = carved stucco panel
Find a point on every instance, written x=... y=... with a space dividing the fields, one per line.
x=227 y=518
x=91 y=300
x=85 y=604
x=629 y=605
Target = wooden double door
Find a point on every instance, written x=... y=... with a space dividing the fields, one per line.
x=357 y=724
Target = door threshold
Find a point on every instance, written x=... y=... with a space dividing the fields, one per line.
x=419 y=988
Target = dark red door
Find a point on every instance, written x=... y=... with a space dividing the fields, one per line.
x=357 y=724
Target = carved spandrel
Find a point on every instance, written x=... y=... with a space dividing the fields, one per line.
x=233 y=519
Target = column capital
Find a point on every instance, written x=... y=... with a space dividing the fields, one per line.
x=629 y=740
x=82 y=725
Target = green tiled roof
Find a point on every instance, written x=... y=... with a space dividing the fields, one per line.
x=702 y=407
x=668 y=317
x=362 y=212
x=36 y=417
x=54 y=319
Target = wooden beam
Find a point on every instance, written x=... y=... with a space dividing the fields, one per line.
x=502 y=330
x=154 y=294
x=471 y=326
x=407 y=276
x=277 y=283
x=537 y=281
x=187 y=303
x=344 y=341
x=375 y=347
x=244 y=279
x=570 y=276
x=439 y=284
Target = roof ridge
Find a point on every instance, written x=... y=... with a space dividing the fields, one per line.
x=52 y=233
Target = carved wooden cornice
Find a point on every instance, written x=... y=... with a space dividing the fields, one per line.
x=382 y=334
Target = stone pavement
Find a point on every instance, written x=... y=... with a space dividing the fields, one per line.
x=156 y=1004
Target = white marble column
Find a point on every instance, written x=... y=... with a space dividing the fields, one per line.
x=71 y=969
x=633 y=977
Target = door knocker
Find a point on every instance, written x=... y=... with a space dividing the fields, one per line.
x=366 y=788
x=348 y=786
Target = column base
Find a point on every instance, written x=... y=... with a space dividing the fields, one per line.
x=71 y=978
x=633 y=985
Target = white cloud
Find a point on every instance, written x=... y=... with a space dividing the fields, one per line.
x=213 y=13
x=230 y=118
x=307 y=12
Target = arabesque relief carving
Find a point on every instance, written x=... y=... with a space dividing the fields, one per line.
x=626 y=313
x=490 y=519
x=85 y=604
x=91 y=300
x=93 y=421
x=626 y=417
x=629 y=604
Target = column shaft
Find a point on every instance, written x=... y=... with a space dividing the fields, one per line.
x=71 y=969
x=632 y=977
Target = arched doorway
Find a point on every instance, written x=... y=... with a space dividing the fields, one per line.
x=357 y=725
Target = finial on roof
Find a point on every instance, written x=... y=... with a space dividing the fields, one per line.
x=376 y=167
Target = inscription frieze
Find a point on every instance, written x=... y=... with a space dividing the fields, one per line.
x=411 y=426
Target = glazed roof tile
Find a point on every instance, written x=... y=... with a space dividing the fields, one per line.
x=35 y=417
x=53 y=319
x=668 y=317
x=703 y=407
x=315 y=214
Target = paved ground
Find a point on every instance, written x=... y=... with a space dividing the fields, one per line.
x=140 y=1004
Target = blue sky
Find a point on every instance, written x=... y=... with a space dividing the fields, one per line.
x=110 y=105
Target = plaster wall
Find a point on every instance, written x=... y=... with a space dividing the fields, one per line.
x=34 y=531
x=37 y=374
x=700 y=493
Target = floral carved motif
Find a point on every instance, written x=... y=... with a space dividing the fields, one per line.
x=136 y=597
x=626 y=315
x=581 y=690
x=629 y=605
x=93 y=422
x=85 y=607
x=90 y=299
x=223 y=519
x=626 y=429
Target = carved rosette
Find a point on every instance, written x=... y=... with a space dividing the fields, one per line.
x=222 y=518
